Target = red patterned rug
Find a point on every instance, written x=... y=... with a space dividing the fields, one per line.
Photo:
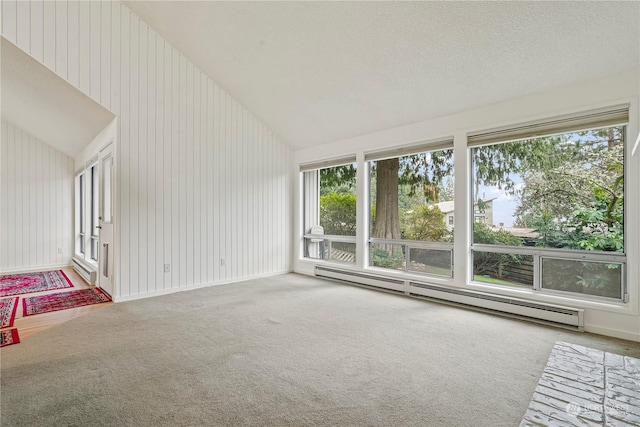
x=8 y=307
x=16 y=284
x=8 y=337
x=63 y=300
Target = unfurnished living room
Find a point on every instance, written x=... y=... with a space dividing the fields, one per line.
x=319 y=213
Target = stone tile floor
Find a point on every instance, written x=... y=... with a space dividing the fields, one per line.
x=582 y=386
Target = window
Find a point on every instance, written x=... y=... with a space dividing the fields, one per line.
x=559 y=200
x=94 y=212
x=87 y=214
x=80 y=213
x=330 y=212
x=410 y=197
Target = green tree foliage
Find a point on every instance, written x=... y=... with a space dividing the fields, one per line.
x=419 y=174
x=572 y=192
x=576 y=199
x=338 y=177
x=338 y=214
x=383 y=256
x=425 y=222
x=495 y=165
x=599 y=226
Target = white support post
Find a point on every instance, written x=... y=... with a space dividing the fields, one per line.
x=362 y=213
x=462 y=264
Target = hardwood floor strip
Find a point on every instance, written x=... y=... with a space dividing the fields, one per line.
x=32 y=325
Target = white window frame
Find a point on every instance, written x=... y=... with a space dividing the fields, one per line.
x=94 y=201
x=424 y=147
x=86 y=194
x=80 y=223
x=311 y=212
x=607 y=117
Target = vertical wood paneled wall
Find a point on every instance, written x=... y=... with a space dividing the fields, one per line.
x=199 y=178
x=36 y=202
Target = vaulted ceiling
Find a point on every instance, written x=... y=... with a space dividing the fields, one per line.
x=318 y=72
x=38 y=101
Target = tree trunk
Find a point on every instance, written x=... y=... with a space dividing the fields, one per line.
x=611 y=141
x=387 y=222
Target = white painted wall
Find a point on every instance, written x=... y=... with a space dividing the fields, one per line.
x=615 y=319
x=199 y=178
x=90 y=153
x=36 y=203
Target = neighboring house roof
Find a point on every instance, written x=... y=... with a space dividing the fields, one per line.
x=447 y=207
x=529 y=233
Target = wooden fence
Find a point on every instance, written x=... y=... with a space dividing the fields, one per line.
x=521 y=273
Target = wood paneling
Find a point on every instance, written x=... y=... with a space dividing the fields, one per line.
x=36 y=184
x=199 y=178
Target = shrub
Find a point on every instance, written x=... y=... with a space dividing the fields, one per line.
x=338 y=214
x=425 y=222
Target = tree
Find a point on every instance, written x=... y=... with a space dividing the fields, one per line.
x=422 y=173
x=338 y=214
x=552 y=185
x=425 y=222
x=576 y=200
x=387 y=222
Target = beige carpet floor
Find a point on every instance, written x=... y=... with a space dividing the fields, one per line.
x=289 y=350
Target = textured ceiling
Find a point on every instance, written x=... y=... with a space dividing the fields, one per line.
x=35 y=99
x=319 y=72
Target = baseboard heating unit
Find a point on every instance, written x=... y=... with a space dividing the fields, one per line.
x=361 y=279
x=88 y=274
x=565 y=317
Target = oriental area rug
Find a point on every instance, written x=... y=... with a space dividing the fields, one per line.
x=63 y=300
x=8 y=308
x=17 y=284
x=8 y=337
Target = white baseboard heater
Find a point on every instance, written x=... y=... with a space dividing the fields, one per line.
x=87 y=273
x=566 y=317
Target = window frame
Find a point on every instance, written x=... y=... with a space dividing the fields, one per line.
x=324 y=241
x=94 y=201
x=407 y=244
x=80 y=211
x=87 y=191
x=603 y=118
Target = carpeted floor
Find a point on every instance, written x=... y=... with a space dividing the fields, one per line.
x=287 y=350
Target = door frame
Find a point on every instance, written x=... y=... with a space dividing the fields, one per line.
x=108 y=151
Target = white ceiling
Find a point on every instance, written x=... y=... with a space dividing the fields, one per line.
x=319 y=72
x=37 y=100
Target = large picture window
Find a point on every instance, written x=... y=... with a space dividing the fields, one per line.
x=330 y=212
x=412 y=210
x=549 y=210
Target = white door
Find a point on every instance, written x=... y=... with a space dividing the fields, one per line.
x=105 y=242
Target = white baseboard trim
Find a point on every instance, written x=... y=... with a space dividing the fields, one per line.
x=309 y=270
x=34 y=269
x=198 y=286
x=615 y=333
